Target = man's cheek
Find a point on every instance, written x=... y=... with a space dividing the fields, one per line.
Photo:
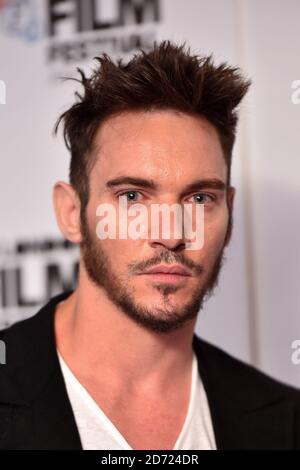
x=214 y=232
x=119 y=251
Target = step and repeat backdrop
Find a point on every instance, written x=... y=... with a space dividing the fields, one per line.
x=255 y=311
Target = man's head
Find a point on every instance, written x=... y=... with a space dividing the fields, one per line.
x=152 y=128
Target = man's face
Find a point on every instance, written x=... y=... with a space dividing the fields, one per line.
x=172 y=151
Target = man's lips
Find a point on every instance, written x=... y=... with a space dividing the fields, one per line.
x=164 y=273
x=162 y=268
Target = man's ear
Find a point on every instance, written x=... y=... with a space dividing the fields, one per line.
x=67 y=209
x=230 y=199
x=231 y=195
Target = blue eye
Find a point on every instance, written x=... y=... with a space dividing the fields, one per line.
x=199 y=195
x=130 y=193
x=132 y=196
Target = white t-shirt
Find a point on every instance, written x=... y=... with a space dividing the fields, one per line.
x=97 y=432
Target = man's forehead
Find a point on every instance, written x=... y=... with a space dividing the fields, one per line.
x=158 y=141
x=138 y=126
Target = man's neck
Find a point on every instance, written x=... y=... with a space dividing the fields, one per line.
x=98 y=339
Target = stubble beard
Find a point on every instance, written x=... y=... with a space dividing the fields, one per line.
x=163 y=318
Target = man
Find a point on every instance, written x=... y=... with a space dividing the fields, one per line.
x=115 y=364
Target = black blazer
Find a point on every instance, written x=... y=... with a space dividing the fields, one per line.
x=249 y=409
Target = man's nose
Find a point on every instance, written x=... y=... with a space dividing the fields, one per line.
x=166 y=225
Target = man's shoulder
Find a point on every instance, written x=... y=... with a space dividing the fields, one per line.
x=242 y=376
x=250 y=409
x=33 y=336
x=20 y=327
x=36 y=320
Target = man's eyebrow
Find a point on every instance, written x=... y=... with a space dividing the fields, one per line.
x=212 y=183
x=150 y=184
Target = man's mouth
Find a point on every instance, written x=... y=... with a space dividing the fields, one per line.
x=171 y=274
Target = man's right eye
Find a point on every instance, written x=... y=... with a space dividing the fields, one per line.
x=130 y=195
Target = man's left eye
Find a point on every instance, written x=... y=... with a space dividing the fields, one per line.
x=198 y=198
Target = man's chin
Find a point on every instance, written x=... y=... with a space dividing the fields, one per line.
x=157 y=303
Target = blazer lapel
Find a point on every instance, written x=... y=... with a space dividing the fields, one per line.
x=246 y=411
x=32 y=380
